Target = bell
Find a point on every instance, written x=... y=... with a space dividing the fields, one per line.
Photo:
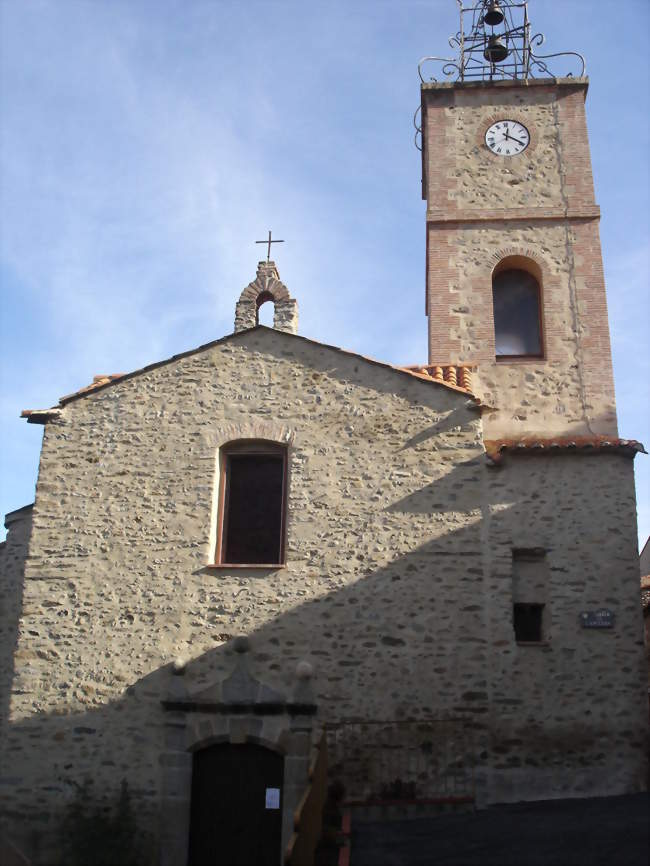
x=494 y=15
x=495 y=50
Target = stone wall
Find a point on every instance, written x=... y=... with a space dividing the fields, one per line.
x=118 y=585
x=567 y=716
x=553 y=172
x=13 y=553
x=397 y=587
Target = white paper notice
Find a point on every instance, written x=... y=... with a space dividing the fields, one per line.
x=272 y=798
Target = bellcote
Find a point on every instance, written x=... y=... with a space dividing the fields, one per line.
x=267 y=286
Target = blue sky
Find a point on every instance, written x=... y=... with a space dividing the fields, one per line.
x=144 y=147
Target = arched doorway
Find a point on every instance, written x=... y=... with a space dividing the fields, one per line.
x=236 y=809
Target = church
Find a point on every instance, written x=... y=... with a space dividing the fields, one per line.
x=268 y=561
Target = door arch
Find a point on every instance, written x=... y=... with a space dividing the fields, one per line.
x=236 y=808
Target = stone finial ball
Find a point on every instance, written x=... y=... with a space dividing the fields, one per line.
x=304 y=671
x=241 y=644
x=178 y=665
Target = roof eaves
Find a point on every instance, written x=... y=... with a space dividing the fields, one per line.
x=40 y=416
x=496 y=449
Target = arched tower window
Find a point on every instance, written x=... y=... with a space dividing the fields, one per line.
x=252 y=503
x=516 y=296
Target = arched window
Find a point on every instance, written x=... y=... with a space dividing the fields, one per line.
x=252 y=499
x=517 y=313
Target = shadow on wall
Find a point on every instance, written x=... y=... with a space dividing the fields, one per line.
x=447 y=422
x=428 y=635
x=386 y=647
x=12 y=573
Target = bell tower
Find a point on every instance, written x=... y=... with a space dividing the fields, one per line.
x=514 y=276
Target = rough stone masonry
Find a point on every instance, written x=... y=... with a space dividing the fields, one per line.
x=397 y=588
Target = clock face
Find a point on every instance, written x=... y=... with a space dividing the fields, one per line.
x=507 y=138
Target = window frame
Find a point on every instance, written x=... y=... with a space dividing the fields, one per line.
x=521 y=263
x=249 y=447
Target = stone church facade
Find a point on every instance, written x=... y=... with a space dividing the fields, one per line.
x=443 y=530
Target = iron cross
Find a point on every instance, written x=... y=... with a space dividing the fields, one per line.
x=269 y=242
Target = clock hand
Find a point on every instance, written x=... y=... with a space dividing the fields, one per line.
x=512 y=138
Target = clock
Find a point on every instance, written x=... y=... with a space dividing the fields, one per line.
x=507 y=137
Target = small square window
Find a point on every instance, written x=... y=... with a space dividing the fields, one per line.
x=527 y=620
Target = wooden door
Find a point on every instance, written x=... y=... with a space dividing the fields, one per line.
x=236 y=817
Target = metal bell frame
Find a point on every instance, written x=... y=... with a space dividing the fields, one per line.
x=512 y=30
x=489 y=52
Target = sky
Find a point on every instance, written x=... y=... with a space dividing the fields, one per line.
x=145 y=146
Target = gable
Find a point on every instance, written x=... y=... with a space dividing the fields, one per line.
x=261 y=377
x=453 y=377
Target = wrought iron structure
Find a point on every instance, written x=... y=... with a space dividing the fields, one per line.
x=494 y=42
x=414 y=761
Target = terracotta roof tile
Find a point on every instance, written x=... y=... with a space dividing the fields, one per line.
x=457 y=375
x=40 y=416
x=97 y=382
x=497 y=448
